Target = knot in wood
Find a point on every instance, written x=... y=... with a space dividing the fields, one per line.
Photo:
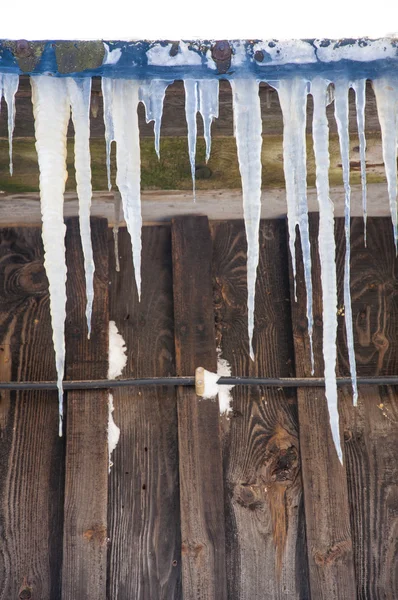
x=25 y=594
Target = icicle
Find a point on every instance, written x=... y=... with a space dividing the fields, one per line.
x=341 y=114
x=327 y=252
x=293 y=100
x=360 y=101
x=248 y=133
x=8 y=88
x=208 y=108
x=79 y=91
x=122 y=96
x=117 y=201
x=152 y=94
x=386 y=99
x=51 y=113
x=107 y=86
x=191 y=108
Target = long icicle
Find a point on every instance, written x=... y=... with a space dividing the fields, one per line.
x=327 y=252
x=386 y=93
x=123 y=97
x=208 y=108
x=152 y=94
x=248 y=133
x=293 y=100
x=342 y=88
x=10 y=87
x=107 y=98
x=191 y=109
x=359 y=87
x=51 y=113
x=79 y=91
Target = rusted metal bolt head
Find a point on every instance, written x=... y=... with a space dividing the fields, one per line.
x=221 y=50
x=22 y=49
x=25 y=594
x=259 y=56
x=174 y=48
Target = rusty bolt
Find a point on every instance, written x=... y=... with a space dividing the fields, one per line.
x=221 y=51
x=25 y=594
x=259 y=56
x=23 y=49
x=174 y=48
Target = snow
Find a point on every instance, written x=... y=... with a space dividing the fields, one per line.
x=8 y=88
x=51 y=111
x=121 y=97
x=248 y=133
x=327 y=252
x=213 y=389
x=342 y=88
x=117 y=362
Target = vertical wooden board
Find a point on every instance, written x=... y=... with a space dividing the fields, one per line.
x=371 y=429
x=201 y=480
x=86 y=476
x=330 y=552
x=31 y=453
x=266 y=548
x=144 y=522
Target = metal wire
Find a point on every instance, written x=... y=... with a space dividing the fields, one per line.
x=283 y=382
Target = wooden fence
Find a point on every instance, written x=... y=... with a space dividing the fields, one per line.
x=253 y=506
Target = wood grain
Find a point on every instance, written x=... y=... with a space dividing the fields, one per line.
x=265 y=529
x=31 y=453
x=144 y=520
x=201 y=478
x=86 y=477
x=330 y=552
x=371 y=429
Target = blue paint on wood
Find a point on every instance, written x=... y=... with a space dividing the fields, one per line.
x=133 y=62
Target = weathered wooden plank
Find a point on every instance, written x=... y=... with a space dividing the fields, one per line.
x=330 y=553
x=162 y=206
x=144 y=521
x=86 y=476
x=265 y=530
x=371 y=429
x=31 y=465
x=201 y=478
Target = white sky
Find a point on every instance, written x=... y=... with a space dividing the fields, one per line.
x=179 y=19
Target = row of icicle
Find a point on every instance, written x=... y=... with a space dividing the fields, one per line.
x=56 y=99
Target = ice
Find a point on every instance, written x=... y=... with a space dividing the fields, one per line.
x=107 y=96
x=360 y=100
x=51 y=111
x=248 y=133
x=191 y=109
x=121 y=97
x=79 y=92
x=152 y=94
x=200 y=96
x=386 y=93
x=341 y=113
x=293 y=100
x=327 y=251
x=208 y=108
x=8 y=88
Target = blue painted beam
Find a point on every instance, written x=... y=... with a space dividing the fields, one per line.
x=267 y=60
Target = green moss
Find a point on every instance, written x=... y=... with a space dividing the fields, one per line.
x=73 y=57
x=173 y=172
